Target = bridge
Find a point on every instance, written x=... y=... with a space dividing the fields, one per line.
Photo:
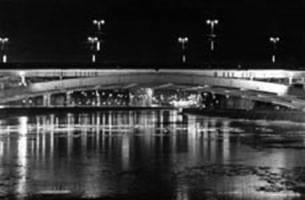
x=232 y=88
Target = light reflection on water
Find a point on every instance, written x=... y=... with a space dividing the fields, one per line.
x=150 y=153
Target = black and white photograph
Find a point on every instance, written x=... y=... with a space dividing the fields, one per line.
x=152 y=99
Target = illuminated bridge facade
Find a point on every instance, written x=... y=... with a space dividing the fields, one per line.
x=238 y=89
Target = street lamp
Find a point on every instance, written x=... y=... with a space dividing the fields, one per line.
x=212 y=35
x=99 y=23
x=95 y=46
x=183 y=41
x=274 y=41
x=3 y=42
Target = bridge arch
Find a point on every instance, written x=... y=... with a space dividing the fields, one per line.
x=141 y=79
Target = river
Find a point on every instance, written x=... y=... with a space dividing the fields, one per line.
x=149 y=154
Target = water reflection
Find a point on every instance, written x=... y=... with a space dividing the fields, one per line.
x=22 y=154
x=153 y=153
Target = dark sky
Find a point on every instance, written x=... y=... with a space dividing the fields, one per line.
x=141 y=31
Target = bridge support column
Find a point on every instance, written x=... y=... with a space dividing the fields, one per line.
x=98 y=98
x=149 y=96
x=290 y=80
x=47 y=100
x=131 y=98
x=199 y=98
x=68 y=98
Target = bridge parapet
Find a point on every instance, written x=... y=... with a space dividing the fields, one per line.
x=286 y=77
x=224 y=73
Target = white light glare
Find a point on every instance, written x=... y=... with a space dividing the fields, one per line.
x=99 y=22
x=183 y=39
x=92 y=39
x=3 y=40
x=212 y=21
x=274 y=39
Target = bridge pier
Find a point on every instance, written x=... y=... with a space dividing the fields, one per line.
x=149 y=97
x=98 y=98
x=199 y=98
x=47 y=100
x=68 y=98
x=290 y=80
x=131 y=98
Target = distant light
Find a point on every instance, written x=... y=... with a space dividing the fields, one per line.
x=21 y=73
x=274 y=39
x=101 y=22
x=4 y=58
x=4 y=40
x=212 y=21
x=98 y=46
x=93 y=58
x=93 y=39
x=183 y=39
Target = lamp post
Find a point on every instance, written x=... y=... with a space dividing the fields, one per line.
x=183 y=41
x=99 y=24
x=95 y=41
x=95 y=46
x=274 y=41
x=212 y=36
x=3 y=42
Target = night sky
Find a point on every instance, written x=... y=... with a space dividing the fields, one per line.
x=141 y=31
